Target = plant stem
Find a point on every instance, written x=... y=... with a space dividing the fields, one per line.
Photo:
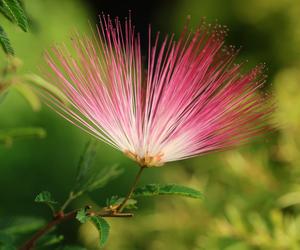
x=61 y=216
x=136 y=180
x=32 y=241
x=28 y=245
x=71 y=197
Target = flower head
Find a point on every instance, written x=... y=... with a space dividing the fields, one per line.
x=191 y=99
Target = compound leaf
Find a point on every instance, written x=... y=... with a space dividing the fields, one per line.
x=13 y=11
x=82 y=216
x=103 y=228
x=167 y=189
x=5 y=43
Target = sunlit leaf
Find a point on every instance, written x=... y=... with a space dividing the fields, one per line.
x=30 y=96
x=41 y=83
x=103 y=228
x=82 y=216
x=5 y=43
x=15 y=11
x=169 y=189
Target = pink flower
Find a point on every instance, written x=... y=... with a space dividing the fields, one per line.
x=191 y=99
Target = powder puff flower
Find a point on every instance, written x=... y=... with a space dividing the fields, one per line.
x=188 y=98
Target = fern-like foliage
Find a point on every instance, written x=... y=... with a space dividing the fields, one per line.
x=13 y=11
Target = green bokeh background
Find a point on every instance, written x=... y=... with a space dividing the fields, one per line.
x=252 y=193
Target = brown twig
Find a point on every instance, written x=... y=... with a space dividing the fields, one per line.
x=136 y=180
x=61 y=217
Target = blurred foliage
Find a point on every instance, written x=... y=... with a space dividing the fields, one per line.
x=10 y=79
x=13 y=11
x=252 y=193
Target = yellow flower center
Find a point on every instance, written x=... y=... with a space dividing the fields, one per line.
x=147 y=160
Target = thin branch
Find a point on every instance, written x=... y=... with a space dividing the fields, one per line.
x=61 y=217
x=72 y=196
x=57 y=220
x=111 y=214
x=136 y=180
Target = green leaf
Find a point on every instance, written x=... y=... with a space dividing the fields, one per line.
x=82 y=216
x=89 y=178
x=85 y=162
x=20 y=225
x=100 y=179
x=5 y=43
x=103 y=228
x=169 y=189
x=16 y=12
x=31 y=97
x=5 y=13
x=45 y=197
x=114 y=201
